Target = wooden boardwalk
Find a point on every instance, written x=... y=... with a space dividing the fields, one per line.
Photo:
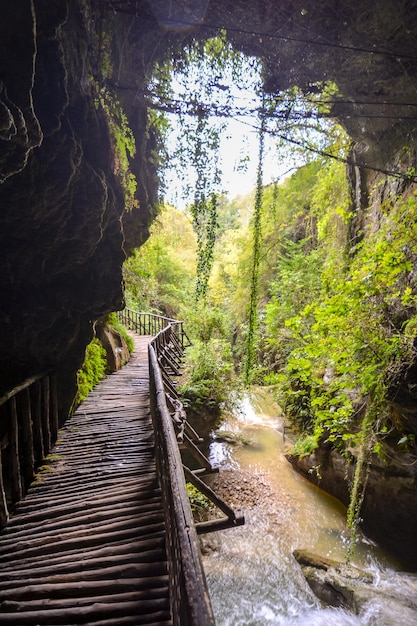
x=87 y=543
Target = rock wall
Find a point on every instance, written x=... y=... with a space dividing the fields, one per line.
x=61 y=204
x=389 y=508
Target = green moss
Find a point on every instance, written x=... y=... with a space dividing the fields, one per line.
x=92 y=370
x=114 y=323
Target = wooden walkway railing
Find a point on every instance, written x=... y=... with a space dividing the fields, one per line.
x=105 y=536
x=87 y=545
x=151 y=324
x=28 y=429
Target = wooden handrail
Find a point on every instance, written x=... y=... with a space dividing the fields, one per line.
x=190 y=601
x=30 y=411
x=151 y=324
x=26 y=383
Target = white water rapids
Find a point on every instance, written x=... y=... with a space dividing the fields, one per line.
x=253 y=578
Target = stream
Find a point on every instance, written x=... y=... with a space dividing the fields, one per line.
x=252 y=576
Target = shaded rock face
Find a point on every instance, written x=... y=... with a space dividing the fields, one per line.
x=61 y=204
x=389 y=509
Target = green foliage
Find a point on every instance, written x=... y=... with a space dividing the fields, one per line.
x=305 y=445
x=201 y=506
x=208 y=377
x=123 y=143
x=160 y=276
x=257 y=240
x=208 y=381
x=205 y=223
x=296 y=283
x=345 y=342
x=198 y=85
x=92 y=370
x=359 y=481
x=205 y=322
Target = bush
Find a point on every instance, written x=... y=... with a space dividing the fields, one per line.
x=208 y=379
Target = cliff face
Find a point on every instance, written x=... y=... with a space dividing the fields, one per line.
x=60 y=236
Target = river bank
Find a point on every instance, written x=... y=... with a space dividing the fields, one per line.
x=253 y=577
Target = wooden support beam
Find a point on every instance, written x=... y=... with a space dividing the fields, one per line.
x=219 y=524
x=193 y=435
x=174 y=351
x=177 y=343
x=197 y=454
x=27 y=459
x=165 y=358
x=45 y=419
x=168 y=384
x=202 y=471
x=209 y=493
x=16 y=491
x=38 y=449
x=4 y=512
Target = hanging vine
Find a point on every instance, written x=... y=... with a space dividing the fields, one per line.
x=204 y=208
x=257 y=238
x=205 y=246
x=360 y=478
x=206 y=77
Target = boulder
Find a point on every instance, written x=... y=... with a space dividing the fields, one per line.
x=117 y=351
x=348 y=587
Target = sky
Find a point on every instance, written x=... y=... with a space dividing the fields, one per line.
x=239 y=153
x=239 y=144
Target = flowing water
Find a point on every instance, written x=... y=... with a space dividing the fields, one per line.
x=252 y=575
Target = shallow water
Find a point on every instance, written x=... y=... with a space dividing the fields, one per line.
x=252 y=575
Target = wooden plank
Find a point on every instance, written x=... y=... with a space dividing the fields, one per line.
x=123 y=549
x=69 y=560
x=116 y=572
x=87 y=544
x=12 y=578
x=78 y=615
x=106 y=508
x=150 y=598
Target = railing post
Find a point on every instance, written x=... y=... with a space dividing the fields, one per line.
x=53 y=409
x=15 y=478
x=27 y=459
x=46 y=404
x=4 y=513
x=38 y=449
x=190 y=601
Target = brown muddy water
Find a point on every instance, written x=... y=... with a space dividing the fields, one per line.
x=252 y=575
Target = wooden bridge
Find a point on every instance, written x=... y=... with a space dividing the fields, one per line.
x=105 y=535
